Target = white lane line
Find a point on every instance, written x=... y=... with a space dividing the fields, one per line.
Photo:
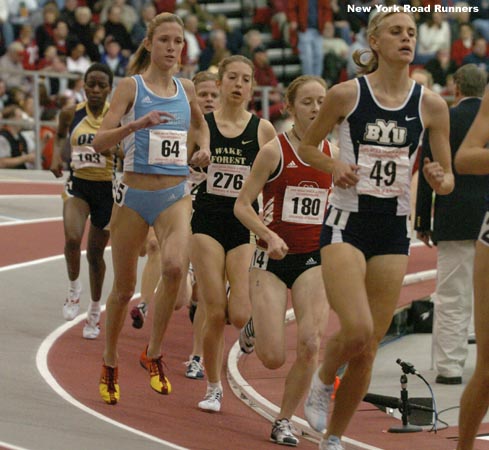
x=42 y=364
x=24 y=181
x=42 y=367
x=15 y=221
x=248 y=395
x=10 y=218
x=8 y=446
x=33 y=262
x=30 y=196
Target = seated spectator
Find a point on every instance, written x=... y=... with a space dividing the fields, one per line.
x=114 y=57
x=83 y=29
x=192 y=7
x=47 y=134
x=261 y=11
x=459 y=18
x=478 y=55
x=278 y=22
x=60 y=37
x=97 y=48
x=31 y=50
x=335 y=54
x=359 y=44
x=47 y=57
x=77 y=61
x=433 y=35
x=165 y=6
x=138 y=32
x=448 y=92
x=75 y=92
x=13 y=146
x=215 y=50
x=479 y=17
x=16 y=96
x=12 y=60
x=440 y=67
x=462 y=46
x=67 y=13
x=265 y=76
x=3 y=94
x=422 y=77
x=115 y=28
x=129 y=16
x=45 y=31
x=340 y=20
x=194 y=44
x=55 y=85
x=252 y=39
x=234 y=38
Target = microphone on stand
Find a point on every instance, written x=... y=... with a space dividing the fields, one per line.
x=407 y=367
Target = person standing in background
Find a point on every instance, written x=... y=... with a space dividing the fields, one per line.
x=307 y=19
x=456 y=225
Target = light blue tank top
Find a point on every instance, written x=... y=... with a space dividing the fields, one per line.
x=161 y=149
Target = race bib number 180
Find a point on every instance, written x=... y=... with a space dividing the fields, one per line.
x=304 y=205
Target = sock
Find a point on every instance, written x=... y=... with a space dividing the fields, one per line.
x=94 y=306
x=334 y=439
x=249 y=329
x=317 y=380
x=212 y=386
x=75 y=289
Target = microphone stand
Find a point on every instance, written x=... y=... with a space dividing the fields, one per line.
x=405 y=407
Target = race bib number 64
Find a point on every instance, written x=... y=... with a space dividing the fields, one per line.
x=167 y=147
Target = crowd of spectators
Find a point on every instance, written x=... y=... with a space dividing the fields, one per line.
x=68 y=35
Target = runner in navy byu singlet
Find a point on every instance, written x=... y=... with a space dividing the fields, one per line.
x=221 y=245
x=287 y=254
x=365 y=242
x=150 y=113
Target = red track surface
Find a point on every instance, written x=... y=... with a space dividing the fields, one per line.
x=76 y=363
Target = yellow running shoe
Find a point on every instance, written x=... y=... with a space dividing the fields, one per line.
x=158 y=381
x=108 y=385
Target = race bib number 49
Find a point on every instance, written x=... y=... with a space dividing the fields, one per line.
x=167 y=147
x=384 y=171
x=225 y=179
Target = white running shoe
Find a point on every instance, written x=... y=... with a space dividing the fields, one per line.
x=246 y=343
x=282 y=433
x=212 y=400
x=317 y=403
x=332 y=443
x=91 y=330
x=71 y=308
x=195 y=369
